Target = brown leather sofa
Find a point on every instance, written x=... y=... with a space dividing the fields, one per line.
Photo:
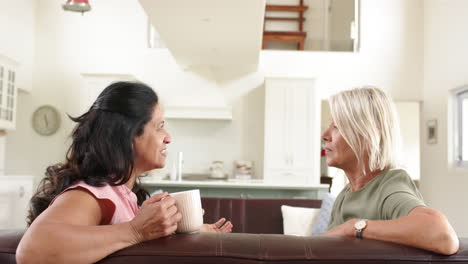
x=256 y=216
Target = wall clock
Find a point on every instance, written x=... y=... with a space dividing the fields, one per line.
x=46 y=120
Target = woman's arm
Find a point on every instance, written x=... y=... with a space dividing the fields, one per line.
x=69 y=230
x=423 y=228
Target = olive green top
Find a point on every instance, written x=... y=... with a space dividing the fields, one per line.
x=390 y=195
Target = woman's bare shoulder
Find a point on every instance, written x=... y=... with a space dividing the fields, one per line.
x=77 y=206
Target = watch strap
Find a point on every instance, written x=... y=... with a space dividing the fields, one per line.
x=359 y=231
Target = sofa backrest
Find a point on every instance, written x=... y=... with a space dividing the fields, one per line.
x=258 y=249
x=256 y=216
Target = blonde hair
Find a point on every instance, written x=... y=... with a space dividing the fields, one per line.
x=366 y=118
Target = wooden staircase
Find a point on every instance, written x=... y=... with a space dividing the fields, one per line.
x=286 y=36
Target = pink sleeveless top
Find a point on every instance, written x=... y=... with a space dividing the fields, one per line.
x=124 y=200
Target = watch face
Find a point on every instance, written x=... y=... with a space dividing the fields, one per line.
x=360 y=224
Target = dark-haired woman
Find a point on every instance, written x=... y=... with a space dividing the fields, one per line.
x=92 y=204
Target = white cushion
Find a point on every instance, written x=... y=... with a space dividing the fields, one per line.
x=299 y=221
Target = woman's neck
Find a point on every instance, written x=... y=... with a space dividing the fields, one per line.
x=358 y=179
x=131 y=182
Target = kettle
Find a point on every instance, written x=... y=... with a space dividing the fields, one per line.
x=217 y=170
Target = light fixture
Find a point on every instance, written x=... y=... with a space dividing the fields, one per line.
x=77 y=6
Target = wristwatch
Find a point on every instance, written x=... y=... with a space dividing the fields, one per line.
x=360 y=225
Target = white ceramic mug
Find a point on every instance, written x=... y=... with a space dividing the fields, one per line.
x=189 y=205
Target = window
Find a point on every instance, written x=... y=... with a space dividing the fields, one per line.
x=461 y=127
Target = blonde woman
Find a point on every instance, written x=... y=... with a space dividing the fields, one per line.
x=381 y=201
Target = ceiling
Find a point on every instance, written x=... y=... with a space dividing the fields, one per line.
x=215 y=34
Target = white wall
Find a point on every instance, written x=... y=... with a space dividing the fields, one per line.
x=390 y=56
x=445 y=68
x=205 y=141
x=65 y=43
x=17 y=37
x=340 y=19
x=17 y=42
x=409 y=114
x=112 y=39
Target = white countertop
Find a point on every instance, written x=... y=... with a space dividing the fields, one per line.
x=248 y=184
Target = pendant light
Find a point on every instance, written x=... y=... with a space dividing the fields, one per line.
x=77 y=6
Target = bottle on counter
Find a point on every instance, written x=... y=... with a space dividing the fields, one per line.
x=180 y=162
x=173 y=175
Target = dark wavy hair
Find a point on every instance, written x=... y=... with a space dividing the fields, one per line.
x=101 y=151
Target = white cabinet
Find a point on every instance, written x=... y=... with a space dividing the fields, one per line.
x=8 y=77
x=292 y=131
x=15 y=193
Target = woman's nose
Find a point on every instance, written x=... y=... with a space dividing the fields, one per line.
x=167 y=139
x=326 y=135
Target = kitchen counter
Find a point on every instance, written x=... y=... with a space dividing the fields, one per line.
x=243 y=189
x=252 y=184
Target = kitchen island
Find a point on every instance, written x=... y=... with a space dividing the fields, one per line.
x=238 y=188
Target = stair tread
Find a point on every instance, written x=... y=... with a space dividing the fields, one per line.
x=286 y=18
x=292 y=8
x=285 y=33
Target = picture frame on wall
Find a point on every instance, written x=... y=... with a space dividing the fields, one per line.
x=432 y=131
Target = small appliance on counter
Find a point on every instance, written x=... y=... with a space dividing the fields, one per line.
x=217 y=170
x=243 y=169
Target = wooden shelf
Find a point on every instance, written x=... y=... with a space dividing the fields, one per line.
x=287 y=8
